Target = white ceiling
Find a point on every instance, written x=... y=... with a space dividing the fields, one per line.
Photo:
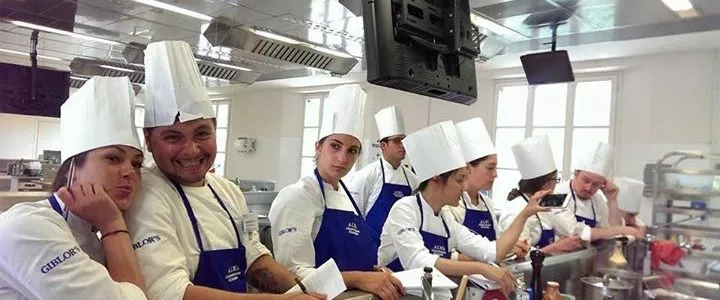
x=595 y=28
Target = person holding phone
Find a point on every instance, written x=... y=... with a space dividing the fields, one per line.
x=591 y=206
x=538 y=172
x=475 y=210
x=421 y=231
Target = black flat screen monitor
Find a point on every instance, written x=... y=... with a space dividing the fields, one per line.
x=547 y=67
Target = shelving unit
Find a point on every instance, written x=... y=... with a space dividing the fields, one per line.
x=683 y=199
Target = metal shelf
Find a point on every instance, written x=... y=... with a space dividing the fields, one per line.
x=690 y=171
x=688 y=211
x=691 y=230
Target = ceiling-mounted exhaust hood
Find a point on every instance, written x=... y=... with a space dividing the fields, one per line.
x=209 y=67
x=279 y=47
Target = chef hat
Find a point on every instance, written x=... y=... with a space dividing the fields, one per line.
x=343 y=112
x=434 y=150
x=389 y=122
x=534 y=157
x=600 y=161
x=629 y=194
x=173 y=86
x=99 y=114
x=474 y=139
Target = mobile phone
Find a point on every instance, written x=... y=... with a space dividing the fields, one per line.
x=553 y=200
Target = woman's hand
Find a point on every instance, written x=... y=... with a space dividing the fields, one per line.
x=533 y=205
x=503 y=277
x=521 y=249
x=91 y=203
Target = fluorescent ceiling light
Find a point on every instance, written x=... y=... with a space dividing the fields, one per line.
x=233 y=67
x=78 y=78
x=175 y=9
x=28 y=54
x=63 y=32
x=117 y=68
x=482 y=22
x=678 y=5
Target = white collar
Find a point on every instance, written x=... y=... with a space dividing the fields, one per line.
x=75 y=222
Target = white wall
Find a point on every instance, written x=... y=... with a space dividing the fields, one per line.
x=27 y=136
x=665 y=102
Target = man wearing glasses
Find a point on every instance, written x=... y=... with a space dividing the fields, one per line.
x=591 y=207
x=378 y=185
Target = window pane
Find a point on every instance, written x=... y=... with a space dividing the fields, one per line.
x=512 y=106
x=592 y=103
x=222 y=115
x=549 y=106
x=219 y=164
x=556 y=137
x=307 y=165
x=504 y=139
x=221 y=138
x=139 y=116
x=310 y=136
x=505 y=181
x=584 y=142
x=312 y=112
x=141 y=136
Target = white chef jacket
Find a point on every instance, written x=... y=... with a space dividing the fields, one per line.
x=163 y=236
x=295 y=218
x=365 y=185
x=401 y=237
x=459 y=210
x=567 y=221
x=35 y=238
x=532 y=229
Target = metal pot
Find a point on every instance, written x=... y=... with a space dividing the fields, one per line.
x=606 y=288
x=633 y=278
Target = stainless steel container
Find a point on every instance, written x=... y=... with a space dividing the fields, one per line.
x=633 y=278
x=608 y=287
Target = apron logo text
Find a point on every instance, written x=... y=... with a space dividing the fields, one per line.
x=439 y=250
x=352 y=228
x=233 y=273
x=398 y=194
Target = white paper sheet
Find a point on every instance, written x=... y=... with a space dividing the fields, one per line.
x=325 y=280
x=412 y=279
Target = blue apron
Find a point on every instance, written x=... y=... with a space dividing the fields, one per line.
x=547 y=236
x=219 y=269
x=437 y=244
x=345 y=237
x=56 y=206
x=389 y=194
x=480 y=221
x=589 y=222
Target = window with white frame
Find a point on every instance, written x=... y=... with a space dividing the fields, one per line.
x=311 y=131
x=575 y=117
x=222 y=111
